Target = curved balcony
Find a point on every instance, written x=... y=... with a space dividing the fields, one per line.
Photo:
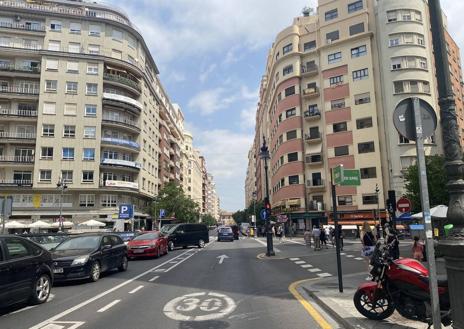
x=18 y=113
x=20 y=90
x=122 y=81
x=311 y=92
x=24 y=160
x=122 y=101
x=122 y=143
x=19 y=70
x=23 y=27
x=314 y=137
x=120 y=123
x=312 y=114
x=15 y=135
x=315 y=184
x=15 y=183
x=309 y=70
x=121 y=163
x=120 y=184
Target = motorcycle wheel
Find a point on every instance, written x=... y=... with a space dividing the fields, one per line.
x=380 y=310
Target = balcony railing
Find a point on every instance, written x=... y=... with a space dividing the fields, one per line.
x=20 y=90
x=313 y=136
x=316 y=206
x=122 y=80
x=16 y=183
x=122 y=163
x=21 y=45
x=309 y=69
x=19 y=68
x=311 y=92
x=313 y=159
x=315 y=183
x=119 y=183
x=312 y=114
x=16 y=159
x=123 y=121
x=124 y=99
x=22 y=26
x=121 y=142
x=18 y=113
x=16 y=135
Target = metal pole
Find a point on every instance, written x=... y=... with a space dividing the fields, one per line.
x=61 y=207
x=269 y=243
x=337 y=233
x=4 y=214
x=377 y=190
x=433 y=286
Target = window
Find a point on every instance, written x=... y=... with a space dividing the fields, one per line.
x=67 y=176
x=91 y=88
x=130 y=59
x=358 y=51
x=71 y=87
x=292 y=180
x=69 y=131
x=17 y=248
x=414 y=86
x=339 y=127
x=331 y=14
x=92 y=68
x=55 y=26
x=362 y=98
x=131 y=41
x=94 y=30
x=291 y=134
x=337 y=104
x=117 y=35
x=335 y=81
x=399 y=87
x=286 y=49
x=287 y=70
x=367 y=173
x=360 y=74
x=290 y=113
x=75 y=28
x=366 y=147
x=90 y=132
x=392 y=16
x=341 y=150
x=335 y=57
x=45 y=175
x=332 y=36
x=51 y=85
x=51 y=64
x=70 y=109
x=394 y=42
x=355 y=6
x=356 y=28
x=54 y=45
x=74 y=47
x=46 y=153
x=369 y=199
x=403 y=140
x=426 y=87
x=108 y=200
x=418 y=16
x=89 y=154
x=72 y=67
x=290 y=91
x=87 y=176
x=423 y=63
x=86 y=200
x=48 y=130
x=307 y=46
x=345 y=200
x=291 y=157
x=94 y=49
x=396 y=63
x=90 y=110
x=116 y=54
x=364 y=123
x=49 y=108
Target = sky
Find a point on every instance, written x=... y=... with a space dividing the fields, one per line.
x=211 y=55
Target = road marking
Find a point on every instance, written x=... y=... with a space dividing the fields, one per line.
x=342 y=253
x=294 y=258
x=110 y=305
x=300 y=262
x=324 y=275
x=359 y=258
x=314 y=270
x=221 y=258
x=63 y=325
x=104 y=293
x=159 y=270
x=50 y=298
x=308 y=307
x=264 y=244
x=297 y=242
x=349 y=256
x=306 y=266
x=180 y=262
x=153 y=278
x=135 y=290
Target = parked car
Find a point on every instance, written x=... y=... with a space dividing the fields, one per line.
x=148 y=244
x=225 y=233
x=25 y=271
x=47 y=240
x=87 y=256
x=184 y=235
x=235 y=230
x=126 y=236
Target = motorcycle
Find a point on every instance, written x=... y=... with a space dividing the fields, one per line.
x=401 y=285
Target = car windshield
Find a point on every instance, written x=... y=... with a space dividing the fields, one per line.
x=82 y=242
x=225 y=230
x=48 y=241
x=147 y=236
x=167 y=228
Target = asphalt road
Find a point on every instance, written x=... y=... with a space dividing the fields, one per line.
x=192 y=288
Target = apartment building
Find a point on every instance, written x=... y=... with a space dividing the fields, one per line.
x=332 y=81
x=81 y=104
x=193 y=184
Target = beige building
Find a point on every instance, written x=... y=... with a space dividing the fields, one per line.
x=332 y=81
x=81 y=104
x=193 y=175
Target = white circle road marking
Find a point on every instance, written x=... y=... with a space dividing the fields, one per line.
x=199 y=306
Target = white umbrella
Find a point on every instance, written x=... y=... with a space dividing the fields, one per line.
x=65 y=224
x=14 y=224
x=93 y=222
x=438 y=211
x=40 y=224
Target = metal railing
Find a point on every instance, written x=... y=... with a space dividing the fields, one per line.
x=122 y=80
x=125 y=121
x=312 y=113
x=16 y=182
x=19 y=68
x=121 y=142
x=22 y=26
x=313 y=136
x=309 y=69
x=16 y=135
x=16 y=159
x=123 y=163
x=21 y=45
x=19 y=90
x=315 y=183
x=312 y=91
x=18 y=113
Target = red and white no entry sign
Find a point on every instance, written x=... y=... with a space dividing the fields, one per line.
x=403 y=205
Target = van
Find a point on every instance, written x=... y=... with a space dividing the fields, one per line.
x=184 y=235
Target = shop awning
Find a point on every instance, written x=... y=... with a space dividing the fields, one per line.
x=314 y=149
x=293 y=202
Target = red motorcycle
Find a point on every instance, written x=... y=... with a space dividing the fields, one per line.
x=401 y=284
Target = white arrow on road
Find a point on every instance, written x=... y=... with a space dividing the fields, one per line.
x=221 y=258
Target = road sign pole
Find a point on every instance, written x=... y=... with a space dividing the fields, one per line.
x=337 y=232
x=433 y=286
x=3 y=207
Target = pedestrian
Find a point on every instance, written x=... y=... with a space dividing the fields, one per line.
x=279 y=232
x=377 y=232
x=323 y=238
x=393 y=243
x=368 y=244
x=317 y=237
x=307 y=237
x=332 y=236
x=418 y=249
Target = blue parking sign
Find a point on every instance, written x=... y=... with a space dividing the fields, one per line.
x=126 y=211
x=162 y=213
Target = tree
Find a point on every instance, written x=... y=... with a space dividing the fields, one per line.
x=437 y=179
x=244 y=216
x=208 y=220
x=176 y=204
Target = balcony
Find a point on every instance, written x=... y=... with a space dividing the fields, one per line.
x=18 y=113
x=121 y=80
x=312 y=114
x=23 y=26
x=314 y=205
x=314 y=159
x=309 y=70
x=16 y=159
x=311 y=92
x=313 y=137
x=16 y=183
x=21 y=45
x=121 y=100
x=121 y=142
x=19 y=68
x=16 y=135
x=315 y=184
x=121 y=122
x=121 y=163
x=20 y=90
x=120 y=184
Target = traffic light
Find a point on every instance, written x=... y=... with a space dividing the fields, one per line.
x=267 y=206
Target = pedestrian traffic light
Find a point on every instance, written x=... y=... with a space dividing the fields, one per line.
x=267 y=206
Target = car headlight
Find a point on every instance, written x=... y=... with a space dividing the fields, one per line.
x=80 y=260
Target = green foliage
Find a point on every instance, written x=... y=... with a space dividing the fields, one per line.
x=173 y=200
x=208 y=219
x=437 y=179
x=244 y=216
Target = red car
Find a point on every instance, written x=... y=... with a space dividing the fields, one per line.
x=148 y=244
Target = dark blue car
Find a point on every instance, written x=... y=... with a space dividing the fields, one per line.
x=225 y=233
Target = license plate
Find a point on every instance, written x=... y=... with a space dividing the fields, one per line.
x=138 y=251
x=58 y=270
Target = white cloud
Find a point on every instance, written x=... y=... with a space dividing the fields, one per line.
x=204 y=75
x=176 y=76
x=208 y=101
x=248 y=117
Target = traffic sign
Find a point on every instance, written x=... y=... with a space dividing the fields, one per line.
x=403 y=119
x=346 y=177
x=162 y=213
x=126 y=211
x=404 y=205
x=338 y=175
x=264 y=214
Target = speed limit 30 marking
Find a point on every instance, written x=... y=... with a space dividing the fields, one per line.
x=200 y=306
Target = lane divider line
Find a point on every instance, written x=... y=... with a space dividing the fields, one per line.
x=324 y=275
x=107 y=307
x=264 y=244
x=300 y=262
x=180 y=262
x=135 y=290
x=359 y=258
x=153 y=278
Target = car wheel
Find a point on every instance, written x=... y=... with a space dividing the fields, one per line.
x=41 y=289
x=171 y=246
x=158 y=252
x=95 y=272
x=123 y=266
x=166 y=250
x=201 y=243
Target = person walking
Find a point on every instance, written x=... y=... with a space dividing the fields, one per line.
x=323 y=238
x=418 y=249
x=279 y=232
x=307 y=237
x=368 y=243
x=393 y=243
x=317 y=237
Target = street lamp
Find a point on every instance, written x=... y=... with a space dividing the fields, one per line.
x=452 y=246
x=377 y=190
x=264 y=155
x=61 y=185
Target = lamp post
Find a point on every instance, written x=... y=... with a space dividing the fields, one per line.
x=452 y=246
x=377 y=190
x=264 y=155
x=61 y=185
x=254 y=215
